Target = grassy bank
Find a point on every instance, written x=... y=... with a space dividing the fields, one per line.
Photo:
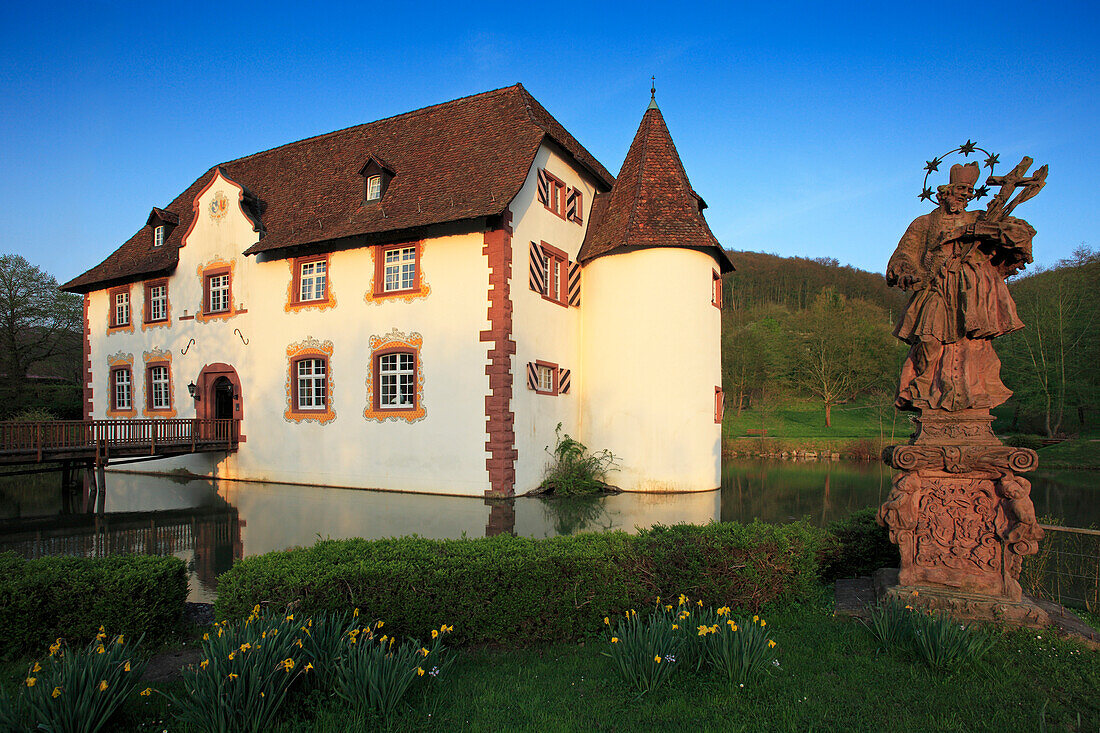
x=1083 y=452
x=831 y=676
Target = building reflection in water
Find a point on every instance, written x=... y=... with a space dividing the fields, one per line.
x=211 y=524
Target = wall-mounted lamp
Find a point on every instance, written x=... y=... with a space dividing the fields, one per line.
x=193 y=391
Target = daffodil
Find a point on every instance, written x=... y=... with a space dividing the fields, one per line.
x=288 y=664
x=56 y=692
x=675 y=626
x=231 y=655
x=424 y=651
x=103 y=685
x=31 y=681
x=307 y=667
x=657 y=659
x=607 y=621
x=755 y=619
x=206 y=637
x=435 y=634
x=147 y=692
x=99 y=649
x=290 y=617
x=126 y=667
x=683 y=599
x=37 y=667
x=419 y=671
x=355 y=613
x=763 y=623
x=204 y=664
x=771 y=644
x=724 y=610
x=233 y=675
x=120 y=640
x=614 y=640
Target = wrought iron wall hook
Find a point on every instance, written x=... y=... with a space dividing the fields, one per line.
x=238 y=332
x=185 y=348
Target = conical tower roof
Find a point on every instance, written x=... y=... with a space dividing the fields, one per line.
x=652 y=203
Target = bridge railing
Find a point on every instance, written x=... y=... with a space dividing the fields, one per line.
x=43 y=438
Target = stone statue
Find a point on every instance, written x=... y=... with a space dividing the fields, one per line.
x=959 y=512
x=956 y=262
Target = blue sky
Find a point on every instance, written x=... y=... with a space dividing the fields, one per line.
x=804 y=127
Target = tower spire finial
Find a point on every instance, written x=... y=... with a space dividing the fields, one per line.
x=653 y=92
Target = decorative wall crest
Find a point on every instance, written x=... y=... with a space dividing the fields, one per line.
x=219 y=206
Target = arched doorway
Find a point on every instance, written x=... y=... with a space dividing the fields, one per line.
x=218 y=393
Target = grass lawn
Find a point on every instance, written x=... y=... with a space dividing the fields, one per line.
x=831 y=677
x=1081 y=452
x=806 y=419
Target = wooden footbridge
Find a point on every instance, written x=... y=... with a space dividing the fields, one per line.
x=93 y=444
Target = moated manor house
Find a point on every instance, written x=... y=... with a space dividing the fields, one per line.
x=416 y=303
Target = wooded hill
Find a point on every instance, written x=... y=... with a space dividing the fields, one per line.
x=812 y=329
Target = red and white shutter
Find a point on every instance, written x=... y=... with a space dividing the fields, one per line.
x=537 y=279
x=574 y=283
x=532 y=376
x=544 y=188
x=571 y=204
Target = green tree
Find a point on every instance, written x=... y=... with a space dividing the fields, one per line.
x=844 y=349
x=38 y=322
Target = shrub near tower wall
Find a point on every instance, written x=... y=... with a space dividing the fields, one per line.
x=70 y=597
x=515 y=589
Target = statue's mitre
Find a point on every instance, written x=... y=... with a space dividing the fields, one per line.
x=967 y=174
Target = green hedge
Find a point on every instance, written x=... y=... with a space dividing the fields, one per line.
x=515 y=589
x=70 y=597
x=860 y=547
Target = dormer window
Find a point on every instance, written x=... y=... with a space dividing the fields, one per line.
x=374 y=187
x=158 y=236
x=377 y=175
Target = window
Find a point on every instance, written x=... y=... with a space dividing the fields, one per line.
x=399 y=269
x=546 y=378
x=156 y=301
x=374 y=188
x=719 y=405
x=555 y=263
x=551 y=192
x=217 y=293
x=574 y=205
x=311 y=280
x=121 y=389
x=312 y=384
x=158 y=236
x=160 y=396
x=120 y=311
x=716 y=289
x=397 y=381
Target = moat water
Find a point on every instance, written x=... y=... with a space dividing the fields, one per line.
x=212 y=523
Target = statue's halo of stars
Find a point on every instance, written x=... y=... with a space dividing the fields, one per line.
x=966 y=149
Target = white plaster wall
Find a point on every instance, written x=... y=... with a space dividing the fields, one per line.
x=651 y=358
x=442 y=453
x=542 y=330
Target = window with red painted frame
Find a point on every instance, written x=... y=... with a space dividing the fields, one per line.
x=309 y=376
x=551 y=192
x=397 y=269
x=122 y=389
x=217 y=291
x=120 y=307
x=158 y=389
x=395 y=376
x=310 y=279
x=716 y=289
x=557 y=274
x=156 y=301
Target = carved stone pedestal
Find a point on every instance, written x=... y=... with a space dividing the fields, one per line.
x=962 y=518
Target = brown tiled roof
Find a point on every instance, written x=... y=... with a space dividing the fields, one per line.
x=460 y=160
x=167 y=217
x=652 y=203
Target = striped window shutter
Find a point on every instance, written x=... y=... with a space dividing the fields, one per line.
x=574 y=206
x=544 y=188
x=574 y=283
x=538 y=269
x=563 y=381
x=532 y=376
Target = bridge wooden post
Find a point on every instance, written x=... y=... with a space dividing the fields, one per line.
x=89 y=489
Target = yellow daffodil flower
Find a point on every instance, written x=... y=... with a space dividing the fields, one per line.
x=290 y=617
x=435 y=634
x=763 y=623
x=147 y=692
x=668 y=607
x=308 y=667
x=702 y=630
x=233 y=675
x=206 y=637
x=614 y=640
x=419 y=671
x=37 y=667
x=231 y=655
x=120 y=640
x=126 y=667
x=723 y=610
x=380 y=624
x=204 y=664
x=699 y=603
x=755 y=619
x=288 y=664
x=657 y=659
x=424 y=651
x=31 y=681
x=355 y=613
x=99 y=649
x=103 y=685
x=56 y=692
x=607 y=621
x=675 y=626
x=683 y=599
x=771 y=644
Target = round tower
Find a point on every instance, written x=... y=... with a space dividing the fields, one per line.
x=651 y=343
